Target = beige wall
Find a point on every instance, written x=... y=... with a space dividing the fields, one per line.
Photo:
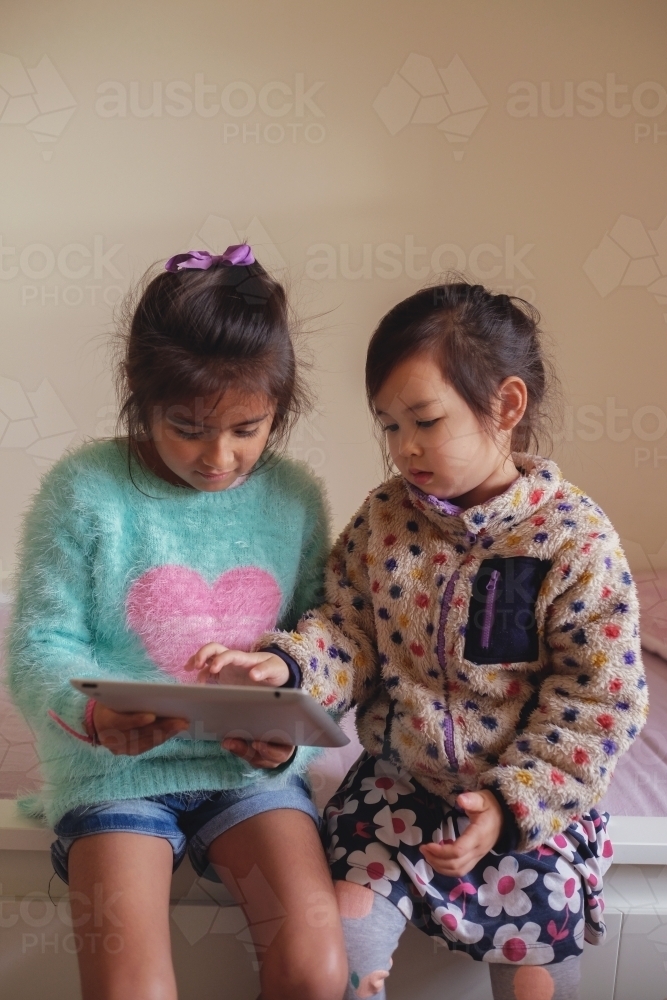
x=108 y=162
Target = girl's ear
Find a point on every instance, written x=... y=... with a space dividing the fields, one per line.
x=512 y=402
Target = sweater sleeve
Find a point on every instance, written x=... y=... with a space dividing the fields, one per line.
x=309 y=590
x=50 y=639
x=588 y=709
x=335 y=645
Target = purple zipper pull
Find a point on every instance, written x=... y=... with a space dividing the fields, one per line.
x=490 y=607
x=448 y=723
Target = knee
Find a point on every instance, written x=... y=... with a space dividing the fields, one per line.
x=320 y=976
x=140 y=987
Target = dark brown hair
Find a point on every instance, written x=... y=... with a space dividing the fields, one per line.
x=479 y=339
x=191 y=335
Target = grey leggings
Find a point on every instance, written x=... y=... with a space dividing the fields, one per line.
x=372 y=937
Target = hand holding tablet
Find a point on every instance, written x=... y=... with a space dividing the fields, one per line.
x=254 y=719
x=233 y=666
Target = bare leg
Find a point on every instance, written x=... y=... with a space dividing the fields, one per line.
x=275 y=866
x=119 y=892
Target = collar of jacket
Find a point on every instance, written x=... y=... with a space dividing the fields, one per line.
x=537 y=484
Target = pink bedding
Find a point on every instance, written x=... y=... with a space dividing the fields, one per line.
x=639 y=786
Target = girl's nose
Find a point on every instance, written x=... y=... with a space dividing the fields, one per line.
x=407 y=444
x=218 y=455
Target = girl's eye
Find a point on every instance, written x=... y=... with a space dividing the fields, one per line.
x=248 y=434
x=186 y=435
x=390 y=428
x=428 y=423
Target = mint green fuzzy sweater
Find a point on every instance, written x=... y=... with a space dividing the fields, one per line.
x=118 y=580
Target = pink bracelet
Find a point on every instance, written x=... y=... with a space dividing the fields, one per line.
x=68 y=729
x=89 y=722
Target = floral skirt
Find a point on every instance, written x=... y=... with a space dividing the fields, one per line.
x=518 y=909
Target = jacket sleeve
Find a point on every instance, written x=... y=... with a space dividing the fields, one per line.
x=50 y=638
x=335 y=645
x=590 y=707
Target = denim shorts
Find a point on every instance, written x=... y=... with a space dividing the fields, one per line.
x=188 y=820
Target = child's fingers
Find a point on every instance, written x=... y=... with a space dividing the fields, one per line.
x=232 y=658
x=259 y=754
x=212 y=667
x=271 y=673
x=273 y=753
x=471 y=802
x=468 y=843
x=447 y=852
x=106 y=718
x=455 y=863
x=240 y=748
x=455 y=869
x=140 y=739
x=198 y=660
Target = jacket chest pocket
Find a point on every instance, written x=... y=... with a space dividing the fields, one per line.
x=501 y=624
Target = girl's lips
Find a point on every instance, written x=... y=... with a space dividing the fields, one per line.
x=212 y=476
x=419 y=476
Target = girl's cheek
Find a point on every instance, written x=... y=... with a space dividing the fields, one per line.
x=457 y=448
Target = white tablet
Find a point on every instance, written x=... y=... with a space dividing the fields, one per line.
x=218 y=711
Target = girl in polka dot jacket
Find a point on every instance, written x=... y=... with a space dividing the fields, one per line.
x=481 y=616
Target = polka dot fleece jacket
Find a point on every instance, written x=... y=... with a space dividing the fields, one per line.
x=493 y=647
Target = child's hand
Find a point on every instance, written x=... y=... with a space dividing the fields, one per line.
x=259 y=754
x=133 y=733
x=461 y=856
x=232 y=666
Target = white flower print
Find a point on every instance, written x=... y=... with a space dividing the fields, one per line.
x=578 y=933
x=420 y=874
x=351 y=806
x=595 y=911
x=562 y=845
x=397 y=827
x=405 y=906
x=503 y=889
x=334 y=852
x=455 y=927
x=591 y=873
x=445 y=833
x=387 y=784
x=373 y=867
x=512 y=946
x=564 y=885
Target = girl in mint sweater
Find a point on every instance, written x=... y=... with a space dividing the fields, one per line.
x=135 y=553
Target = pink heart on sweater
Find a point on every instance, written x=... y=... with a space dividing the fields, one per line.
x=175 y=612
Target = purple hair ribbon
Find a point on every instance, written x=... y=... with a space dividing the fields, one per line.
x=201 y=260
